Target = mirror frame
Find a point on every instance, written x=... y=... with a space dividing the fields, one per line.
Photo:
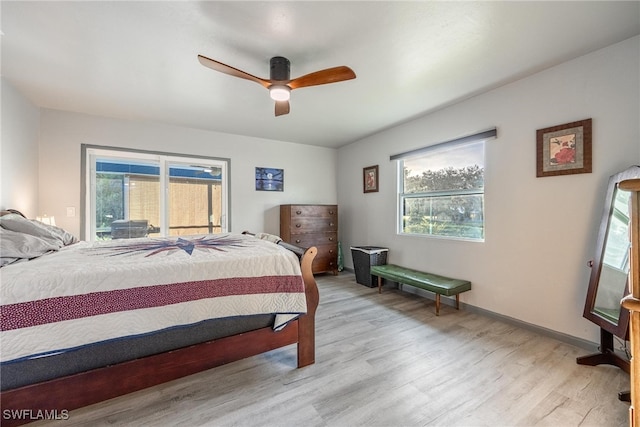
x=621 y=329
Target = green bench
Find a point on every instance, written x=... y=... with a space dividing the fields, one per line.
x=439 y=285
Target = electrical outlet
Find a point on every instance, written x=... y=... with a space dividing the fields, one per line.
x=71 y=211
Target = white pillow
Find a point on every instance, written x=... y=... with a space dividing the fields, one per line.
x=269 y=237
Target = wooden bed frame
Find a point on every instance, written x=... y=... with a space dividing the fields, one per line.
x=60 y=395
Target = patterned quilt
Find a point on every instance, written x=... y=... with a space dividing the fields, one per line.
x=91 y=292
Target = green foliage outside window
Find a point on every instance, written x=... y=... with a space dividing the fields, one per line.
x=452 y=216
x=446 y=202
x=465 y=178
x=110 y=200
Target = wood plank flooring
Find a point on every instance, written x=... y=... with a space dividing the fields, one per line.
x=387 y=360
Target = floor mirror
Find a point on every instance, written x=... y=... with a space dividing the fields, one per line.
x=608 y=282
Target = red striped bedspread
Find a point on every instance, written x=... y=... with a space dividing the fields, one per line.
x=91 y=292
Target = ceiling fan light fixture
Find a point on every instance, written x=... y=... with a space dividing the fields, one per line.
x=279 y=92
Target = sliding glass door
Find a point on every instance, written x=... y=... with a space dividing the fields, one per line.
x=136 y=194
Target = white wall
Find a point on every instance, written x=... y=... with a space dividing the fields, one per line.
x=540 y=232
x=309 y=172
x=18 y=152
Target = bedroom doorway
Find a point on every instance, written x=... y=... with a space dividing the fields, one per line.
x=132 y=194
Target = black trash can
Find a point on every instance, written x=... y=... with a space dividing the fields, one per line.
x=363 y=258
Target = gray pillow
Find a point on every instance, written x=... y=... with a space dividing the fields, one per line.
x=50 y=233
x=15 y=246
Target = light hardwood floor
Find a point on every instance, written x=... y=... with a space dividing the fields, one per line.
x=387 y=360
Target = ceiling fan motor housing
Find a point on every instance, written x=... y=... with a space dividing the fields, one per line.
x=280 y=69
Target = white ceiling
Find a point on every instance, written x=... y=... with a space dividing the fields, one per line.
x=138 y=60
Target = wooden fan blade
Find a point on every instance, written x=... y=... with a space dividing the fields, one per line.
x=227 y=69
x=330 y=75
x=282 y=107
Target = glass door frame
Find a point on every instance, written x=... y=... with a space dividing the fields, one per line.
x=88 y=182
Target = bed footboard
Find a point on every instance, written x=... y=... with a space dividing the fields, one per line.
x=59 y=396
x=307 y=322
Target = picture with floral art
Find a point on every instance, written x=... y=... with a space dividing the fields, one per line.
x=370 y=179
x=564 y=149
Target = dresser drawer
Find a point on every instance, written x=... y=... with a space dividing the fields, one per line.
x=326 y=259
x=313 y=225
x=298 y=211
x=306 y=240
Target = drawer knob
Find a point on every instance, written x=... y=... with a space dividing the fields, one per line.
x=331 y=239
x=297 y=240
x=330 y=224
x=330 y=212
x=298 y=212
x=298 y=225
x=330 y=251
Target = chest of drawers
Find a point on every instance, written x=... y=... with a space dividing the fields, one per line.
x=313 y=225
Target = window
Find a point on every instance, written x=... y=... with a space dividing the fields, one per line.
x=134 y=194
x=441 y=189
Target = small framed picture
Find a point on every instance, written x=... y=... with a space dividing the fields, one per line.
x=564 y=149
x=370 y=179
x=269 y=179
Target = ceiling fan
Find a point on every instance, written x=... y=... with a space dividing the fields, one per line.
x=280 y=83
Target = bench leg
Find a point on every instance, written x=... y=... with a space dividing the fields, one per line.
x=457 y=301
x=379 y=284
x=437 y=304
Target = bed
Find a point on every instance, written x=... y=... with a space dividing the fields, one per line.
x=82 y=322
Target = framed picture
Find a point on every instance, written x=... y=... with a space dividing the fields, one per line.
x=370 y=179
x=564 y=149
x=269 y=179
